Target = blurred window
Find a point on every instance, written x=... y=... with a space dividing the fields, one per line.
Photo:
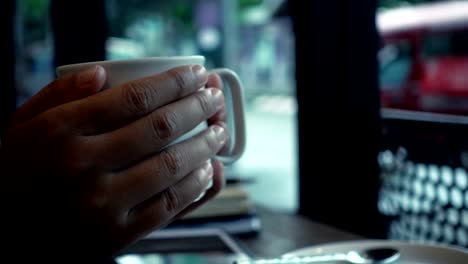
x=238 y=34
x=422 y=157
x=395 y=64
x=446 y=44
x=243 y=36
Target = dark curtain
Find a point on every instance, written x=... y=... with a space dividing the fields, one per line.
x=7 y=64
x=80 y=30
x=338 y=113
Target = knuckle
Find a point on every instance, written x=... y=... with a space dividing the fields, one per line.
x=121 y=221
x=204 y=102
x=164 y=125
x=179 y=79
x=171 y=200
x=51 y=125
x=98 y=200
x=51 y=129
x=98 y=204
x=172 y=161
x=75 y=161
x=198 y=183
x=138 y=97
x=210 y=142
x=73 y=164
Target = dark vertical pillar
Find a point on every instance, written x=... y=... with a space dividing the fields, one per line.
x=80 y=30
x=338 y=104
x=7 y=64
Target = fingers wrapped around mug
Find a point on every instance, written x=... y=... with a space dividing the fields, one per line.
x=185 y=173
x=153 y=132
x=132 y=100
x=109 y=165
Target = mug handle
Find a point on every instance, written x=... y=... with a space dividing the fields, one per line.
x=236 y=88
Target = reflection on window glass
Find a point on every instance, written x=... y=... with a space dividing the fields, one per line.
x=421 y=151
x=446 y=44
x=238 y=34
x=178 y=258
x=34 y=60
x=395 y=65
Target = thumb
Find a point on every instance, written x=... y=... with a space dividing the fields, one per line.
x=63 y=90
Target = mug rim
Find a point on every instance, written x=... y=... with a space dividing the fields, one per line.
x=133 y=60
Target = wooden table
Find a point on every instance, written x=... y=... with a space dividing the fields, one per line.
x=282 y=233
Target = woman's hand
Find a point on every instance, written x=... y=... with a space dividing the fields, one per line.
x=92 y=170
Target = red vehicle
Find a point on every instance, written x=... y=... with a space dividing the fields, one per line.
x=424 y=57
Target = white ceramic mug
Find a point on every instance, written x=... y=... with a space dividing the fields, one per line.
x=121 y=71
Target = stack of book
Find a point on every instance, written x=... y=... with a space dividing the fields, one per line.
x=232 y=210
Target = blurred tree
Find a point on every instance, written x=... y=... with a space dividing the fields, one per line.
x=248 y=3
x=124 y=12
x=35 y=18
x=396 y=3
x=35 y=9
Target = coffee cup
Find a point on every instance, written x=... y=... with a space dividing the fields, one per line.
x=122 y=71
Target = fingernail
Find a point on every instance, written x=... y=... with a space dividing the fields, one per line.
x=210 y=184
x=208 y=169
x=87 y=76
x=206 y=175
x=218 y=98
x=220 y=133
x=200 y=74
x=199 y=197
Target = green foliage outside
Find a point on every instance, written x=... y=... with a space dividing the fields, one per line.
x=180 y=11
x=35 y=12
x=397 y=3
x=35 y=9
